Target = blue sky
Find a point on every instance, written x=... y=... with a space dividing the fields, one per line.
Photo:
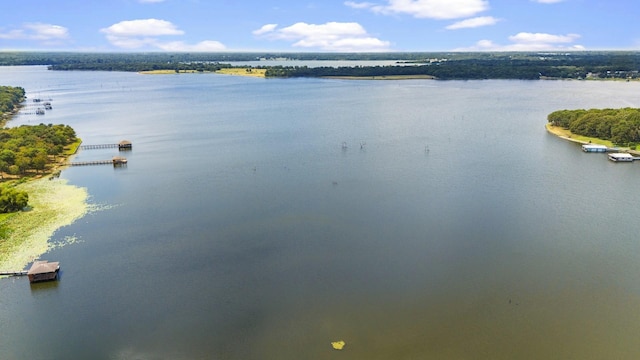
x=319 y=25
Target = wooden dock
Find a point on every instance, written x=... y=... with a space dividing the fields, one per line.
x=98 y=146
x=122 y=145
x=87 y=163
x=116 y=161
x=41 y=270
x=13 y=273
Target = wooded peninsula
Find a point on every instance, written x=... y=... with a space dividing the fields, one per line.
x=619 y=126
x=27 y=151
x=442 y=66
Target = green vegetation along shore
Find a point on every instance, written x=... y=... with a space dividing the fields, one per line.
x=611 y=127
x=10 y=99
x=28 y=156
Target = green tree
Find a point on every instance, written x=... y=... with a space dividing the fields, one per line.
x=39 y=162
x=8 y=156
x=12 y=200
x=23 y=163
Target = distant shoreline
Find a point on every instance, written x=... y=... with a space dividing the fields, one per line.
x=244 y=71
x=261 y=73
x=382 y=77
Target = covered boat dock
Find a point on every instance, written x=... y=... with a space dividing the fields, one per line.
x=594 y=148
x=43 y=270
x=622 y=157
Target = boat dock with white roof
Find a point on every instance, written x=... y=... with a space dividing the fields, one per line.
x=622 y=157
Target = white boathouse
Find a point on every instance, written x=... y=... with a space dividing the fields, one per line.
x=619 y=157
x=594 y=148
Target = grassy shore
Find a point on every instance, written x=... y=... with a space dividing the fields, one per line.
x=568 y=135
x=226 y=71
x=52 y=204
x=243 y=72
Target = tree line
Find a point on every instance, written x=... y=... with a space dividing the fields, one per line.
x=32 y=148
x=492 y=66
x=10 y=99
x=620 y=66
x=29 y=148
x=620 y=126
x=139 y=66
x=441 y=65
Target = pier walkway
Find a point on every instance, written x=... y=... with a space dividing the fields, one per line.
x=116 y=161
x=13 y=273
x=122 y=145
x=98 y=146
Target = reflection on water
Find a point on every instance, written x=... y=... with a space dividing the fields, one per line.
x=45 y=287
x=241 y=227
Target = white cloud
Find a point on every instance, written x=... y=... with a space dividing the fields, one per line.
x=265 y=29
x=541 y=38
x=37 y=32
x=12 y=34
x=131 y=42
x=150 y=1
x=203 y=46
x=134 y=34
x=144 y=27
x=473 y=23
x=41 y=31
x=331 y=36
x=431 y=9
x=362 y=5
x=531 y=42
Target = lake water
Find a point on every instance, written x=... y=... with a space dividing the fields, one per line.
x=452 y=226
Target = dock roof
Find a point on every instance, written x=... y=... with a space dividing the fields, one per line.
x=621 y=155
x=43 y=267
x=594 y=146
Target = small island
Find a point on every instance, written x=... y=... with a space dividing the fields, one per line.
x=34 y=202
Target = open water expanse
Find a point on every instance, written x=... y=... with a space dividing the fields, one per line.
x=242 y=229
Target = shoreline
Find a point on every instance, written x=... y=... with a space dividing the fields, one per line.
x=383 y=77
x=245 y=71
x=53 y=204
x=567 y=135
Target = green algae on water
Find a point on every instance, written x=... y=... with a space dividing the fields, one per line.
x=53 y=204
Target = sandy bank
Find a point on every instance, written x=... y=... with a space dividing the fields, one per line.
x=52 y=204
x=568 y=135
x=253 y=72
